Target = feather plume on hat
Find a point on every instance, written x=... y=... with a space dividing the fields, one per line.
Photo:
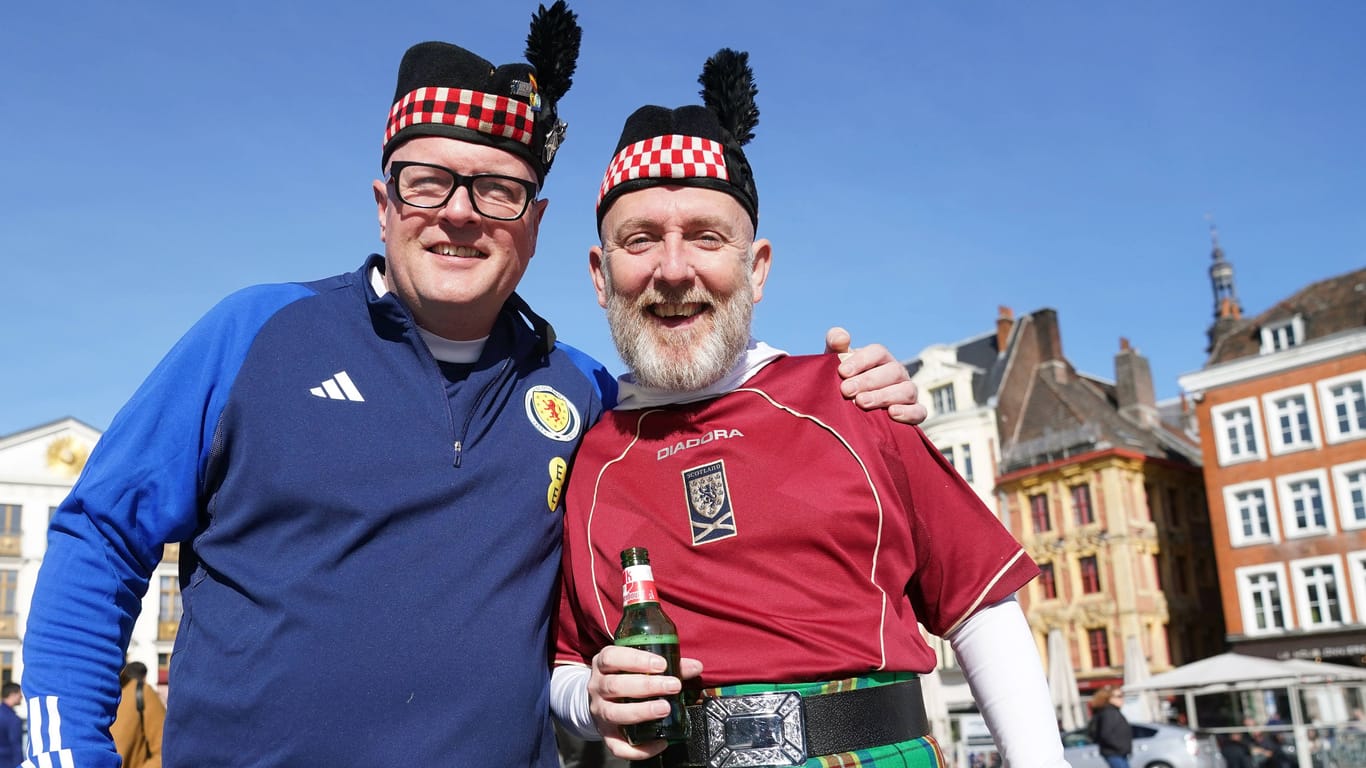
x=552 y=47
x=728 y=90
x=446 y=90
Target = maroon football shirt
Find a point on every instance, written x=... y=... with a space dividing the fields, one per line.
x=794 y=537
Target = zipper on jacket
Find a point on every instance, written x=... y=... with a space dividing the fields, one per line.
x=479 y=398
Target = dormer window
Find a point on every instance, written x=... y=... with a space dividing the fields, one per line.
x=943 y=399
x=1282 y=335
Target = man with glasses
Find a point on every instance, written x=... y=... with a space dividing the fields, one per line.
x=798 y=543
x=365 y=473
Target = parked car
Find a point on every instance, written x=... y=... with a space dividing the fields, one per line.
x=1156 y=745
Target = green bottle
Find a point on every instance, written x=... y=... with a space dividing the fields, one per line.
x=644 y=626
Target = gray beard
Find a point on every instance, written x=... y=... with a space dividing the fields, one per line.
x=681 y=361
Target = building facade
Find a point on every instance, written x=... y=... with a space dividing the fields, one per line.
x=1281 y=404
x=1109 y=501
x=38 y=466
x=957 y=383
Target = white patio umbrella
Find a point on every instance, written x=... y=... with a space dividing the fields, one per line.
x=1139 y=705
x=1062 y=683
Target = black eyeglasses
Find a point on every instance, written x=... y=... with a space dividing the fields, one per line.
x=423 y=185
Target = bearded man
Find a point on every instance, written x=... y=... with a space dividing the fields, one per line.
x=798 y=541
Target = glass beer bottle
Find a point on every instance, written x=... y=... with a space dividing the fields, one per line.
x=644 y=626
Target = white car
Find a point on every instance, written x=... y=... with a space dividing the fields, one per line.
x=1156 y=745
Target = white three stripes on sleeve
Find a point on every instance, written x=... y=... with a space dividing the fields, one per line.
x=45 y=735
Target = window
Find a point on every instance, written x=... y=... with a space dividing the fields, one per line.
x=948 y=455
x=1174 y=516
x=1179 y=571
x=966 y=450
x=1081 y=505
x=1318 y=585
x=1290 y=417
x=1048 y=581
x=6 y=667
x=1262 y=598
x=1282 y=335
x=1090 y=574
x=1356 y=568
x=163 y=668
x=9 y=577
x=1344 y=405
x=169 y=610
x=1350 y=481
x=11 y=516
x=1098 y=640
x=1038 y=512
x=1303 y=503
x=1237 y=432
x=1250 y=516
x=943 y=399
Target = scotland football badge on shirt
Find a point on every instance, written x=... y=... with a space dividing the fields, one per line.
x=709 y=507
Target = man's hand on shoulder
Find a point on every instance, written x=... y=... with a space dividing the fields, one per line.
x=874 y=379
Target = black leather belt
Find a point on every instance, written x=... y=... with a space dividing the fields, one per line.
x=782 y=728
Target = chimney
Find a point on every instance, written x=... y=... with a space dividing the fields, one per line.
x=1048 y=337
x=1134 y=386
x=1005 y=320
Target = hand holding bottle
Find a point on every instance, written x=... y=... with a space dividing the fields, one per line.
x=638 y=685
x=628 y=686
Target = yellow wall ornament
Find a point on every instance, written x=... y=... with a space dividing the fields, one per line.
x=66 y=455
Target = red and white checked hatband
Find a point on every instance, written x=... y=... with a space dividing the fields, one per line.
x=666 y=157
x=475 y=110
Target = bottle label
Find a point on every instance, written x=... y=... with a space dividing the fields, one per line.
x=639 y=586
x=656 y=641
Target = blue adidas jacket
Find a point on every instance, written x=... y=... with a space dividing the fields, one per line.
x=371 y=550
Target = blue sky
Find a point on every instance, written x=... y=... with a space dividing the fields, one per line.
x=918 y=165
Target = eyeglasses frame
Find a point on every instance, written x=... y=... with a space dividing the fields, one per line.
x=466 y=181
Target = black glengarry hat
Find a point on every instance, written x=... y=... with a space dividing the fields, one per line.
x=445 y=90
x=696 y=146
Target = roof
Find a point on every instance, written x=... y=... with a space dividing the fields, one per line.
x=1243 y=671
x=982 y=354
x=1327 y=307
x=1058 y=413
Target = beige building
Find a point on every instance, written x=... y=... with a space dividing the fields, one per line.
x=1108 y=500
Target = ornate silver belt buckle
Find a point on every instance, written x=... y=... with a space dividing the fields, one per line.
x=760 y=729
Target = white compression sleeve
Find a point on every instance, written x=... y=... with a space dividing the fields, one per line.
x=569 y=701
x=996 y=650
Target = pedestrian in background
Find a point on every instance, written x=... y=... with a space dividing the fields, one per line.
x=1237 y=751
x=1108 y=728
x=138 y=723
x=11 y=727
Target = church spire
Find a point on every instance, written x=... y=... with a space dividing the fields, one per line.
x=1227 y=310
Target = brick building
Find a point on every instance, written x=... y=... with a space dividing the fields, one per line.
x=1281 y=403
